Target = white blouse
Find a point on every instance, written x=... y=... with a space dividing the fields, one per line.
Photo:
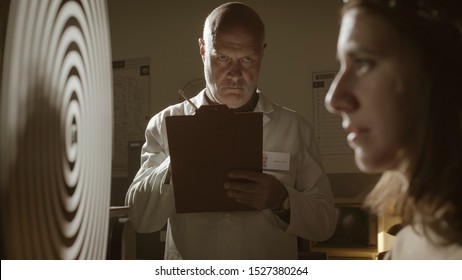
x=411 y=244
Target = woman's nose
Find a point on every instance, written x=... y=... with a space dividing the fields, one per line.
x=340 y=97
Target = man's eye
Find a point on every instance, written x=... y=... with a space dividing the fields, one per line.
x=247 y=59
x=222 y=58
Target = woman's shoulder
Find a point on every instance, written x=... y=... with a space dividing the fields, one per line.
x=411 y=244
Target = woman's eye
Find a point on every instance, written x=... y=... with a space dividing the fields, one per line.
x=363 y=66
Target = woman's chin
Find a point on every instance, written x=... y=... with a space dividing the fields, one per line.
x=364 y=162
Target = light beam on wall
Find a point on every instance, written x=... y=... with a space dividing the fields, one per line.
x=56 y=130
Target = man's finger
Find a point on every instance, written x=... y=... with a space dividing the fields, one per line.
x=247 y=187
x=245 y=174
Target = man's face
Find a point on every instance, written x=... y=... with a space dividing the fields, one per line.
x=231 y=65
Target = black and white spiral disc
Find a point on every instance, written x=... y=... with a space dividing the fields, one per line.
x=56 y=130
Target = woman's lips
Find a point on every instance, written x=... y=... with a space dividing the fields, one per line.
x=355 y=134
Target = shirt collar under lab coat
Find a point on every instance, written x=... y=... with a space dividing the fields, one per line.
x=264 y=105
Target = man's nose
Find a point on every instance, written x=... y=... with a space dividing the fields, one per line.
x=235 y=71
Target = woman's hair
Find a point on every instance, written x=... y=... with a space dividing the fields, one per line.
x=434 y=191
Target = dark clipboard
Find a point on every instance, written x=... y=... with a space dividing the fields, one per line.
x=204 y=147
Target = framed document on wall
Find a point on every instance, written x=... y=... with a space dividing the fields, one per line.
x=131 y=108
x=330 y=135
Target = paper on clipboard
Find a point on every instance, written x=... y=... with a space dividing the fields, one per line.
x=204 y=147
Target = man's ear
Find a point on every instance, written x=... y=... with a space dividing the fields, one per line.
x=263 y=50
x=202 y=48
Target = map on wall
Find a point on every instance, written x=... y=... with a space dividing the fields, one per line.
x=330 y=135
x=131 y=107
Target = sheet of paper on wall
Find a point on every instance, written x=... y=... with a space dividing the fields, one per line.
x=330 y=136
x=204 y=147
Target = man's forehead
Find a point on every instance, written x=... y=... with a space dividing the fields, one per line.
x=223 y=44
x=237 y=38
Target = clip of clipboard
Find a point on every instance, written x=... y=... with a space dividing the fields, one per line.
x=204 y=147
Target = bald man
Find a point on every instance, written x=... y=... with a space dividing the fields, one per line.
x=287 y=204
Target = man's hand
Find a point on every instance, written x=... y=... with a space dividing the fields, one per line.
x=258 y=190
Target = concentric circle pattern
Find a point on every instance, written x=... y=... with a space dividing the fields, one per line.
x=56 y=130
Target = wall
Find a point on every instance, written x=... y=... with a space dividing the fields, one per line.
x=301 y=37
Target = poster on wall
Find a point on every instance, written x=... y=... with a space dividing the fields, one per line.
x=329 y=133
x=131 y=108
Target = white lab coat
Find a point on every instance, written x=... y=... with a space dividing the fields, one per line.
x=236 y=235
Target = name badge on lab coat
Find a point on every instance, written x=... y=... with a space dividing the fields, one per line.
x=276 y=161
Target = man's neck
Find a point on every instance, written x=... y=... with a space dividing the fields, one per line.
x=247 y=107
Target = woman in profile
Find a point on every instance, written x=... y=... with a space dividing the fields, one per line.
x=399 y=93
